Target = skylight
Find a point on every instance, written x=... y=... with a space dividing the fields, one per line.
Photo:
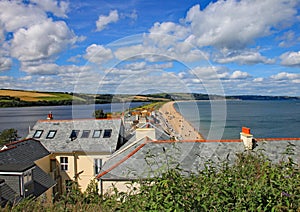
x=51 y=134
x=74 y=134
x=97 y=133
x=107 y=133
x=85 y=133
x=38 y=133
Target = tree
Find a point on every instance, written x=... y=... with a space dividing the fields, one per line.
x=99 y=114
x=8 y=135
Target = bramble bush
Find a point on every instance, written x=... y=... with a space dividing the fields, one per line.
x=253 y=183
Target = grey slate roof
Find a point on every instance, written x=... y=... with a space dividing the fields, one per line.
x=62 y=142
x=21 y=155
x=42 y=181
x=146 y=159
x=8 y=195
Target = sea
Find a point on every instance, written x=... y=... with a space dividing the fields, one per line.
x=224 y=119
x=23 y=118
x=213 y=119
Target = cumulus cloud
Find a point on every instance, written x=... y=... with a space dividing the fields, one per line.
x=98 y=54
x=244 y=57
x=236 y=24
x=282 y=76
x=42 y=69
x=58 y=8
x=103 y=21
x=41 y=41
x=290 y=59
x=239 y=75
x=5 y=63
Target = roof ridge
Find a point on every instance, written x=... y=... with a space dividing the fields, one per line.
x=20 y=141
x=78 y=119
x=123 y=159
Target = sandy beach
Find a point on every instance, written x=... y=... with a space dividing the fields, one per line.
x=177 y=125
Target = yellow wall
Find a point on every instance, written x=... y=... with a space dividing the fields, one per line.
x=44 y=164
x=85 y=163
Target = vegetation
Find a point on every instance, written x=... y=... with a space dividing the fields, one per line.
x=253 y=183
x=8 y=136
x=99 y=114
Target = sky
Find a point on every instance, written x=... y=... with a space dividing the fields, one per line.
x=233 y=47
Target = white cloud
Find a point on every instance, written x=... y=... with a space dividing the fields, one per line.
x=290 y=59
x=258 y=79
x=15 y=15
x=58 y=8
x=239 y=75
x=5 y=63
x=103 y=21
x=244 y=57
x=41 y=41
x=98 y=54
x=236 y=24
x=42 y=69
x=283 y=76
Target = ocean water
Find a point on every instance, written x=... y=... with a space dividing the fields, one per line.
x=22 y=118
x=224 y=119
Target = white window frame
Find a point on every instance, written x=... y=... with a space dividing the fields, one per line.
x=97 y=165
x=64 y=163
x=27 y=176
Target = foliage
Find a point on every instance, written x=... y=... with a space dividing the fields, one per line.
x=8 y=135
x=99 y=114
x=253 y=183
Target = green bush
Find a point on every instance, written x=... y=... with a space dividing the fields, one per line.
x=253 y=183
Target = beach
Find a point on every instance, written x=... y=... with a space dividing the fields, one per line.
x=176 y=125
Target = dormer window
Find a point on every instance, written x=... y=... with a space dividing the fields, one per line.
x=38 y=133
x=85 y=133
x=74 y=134
x=97 y=133
x=107 y=133
x=51 y=134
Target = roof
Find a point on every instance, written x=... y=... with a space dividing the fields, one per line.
x=8 y=195
x=62 y=130
x=20 y=155
x=42 y=181
x=147 y=158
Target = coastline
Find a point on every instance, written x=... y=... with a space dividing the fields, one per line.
x=177 y=125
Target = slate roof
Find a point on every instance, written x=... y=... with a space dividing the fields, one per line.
x=42 y=181
x=20 y=155
x=146 y=158
x=8 y=195
x=62 y=142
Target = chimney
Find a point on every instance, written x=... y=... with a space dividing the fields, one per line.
x=50 y=116
x=247 y=138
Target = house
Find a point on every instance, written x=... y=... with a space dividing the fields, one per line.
x=78 y=147
x=23 y=171
x=147 y=158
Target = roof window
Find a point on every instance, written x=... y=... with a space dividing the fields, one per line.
x=97 y=133
x=51 y=134
x=38 y=133
x=85 y=133
x=107 y=133
x=74 y=134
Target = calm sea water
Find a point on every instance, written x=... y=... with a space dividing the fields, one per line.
x=21 y=118
x=219 y=119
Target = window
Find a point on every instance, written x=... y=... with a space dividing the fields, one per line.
x=38 y=133
x=97 y=133
x=74 y=134
x=64 y=163
x=27 y=176
x=85 y=133
x=107 y=133
x=51 y=134
x=97 y=165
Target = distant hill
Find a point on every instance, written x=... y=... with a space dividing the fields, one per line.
x=22 y=98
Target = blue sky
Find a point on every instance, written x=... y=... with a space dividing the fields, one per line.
x=216 y=47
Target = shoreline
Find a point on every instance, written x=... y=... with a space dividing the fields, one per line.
x=177 y=125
